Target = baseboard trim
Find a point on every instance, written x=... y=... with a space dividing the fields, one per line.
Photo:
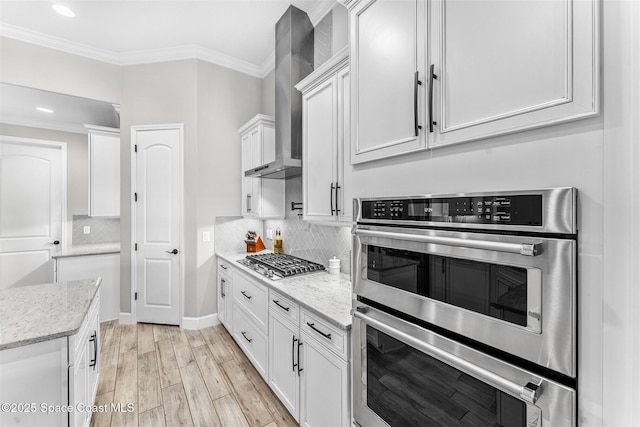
x=126 y=318
x=196 y=323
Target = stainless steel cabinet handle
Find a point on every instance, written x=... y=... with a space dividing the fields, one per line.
x=224 y=267
x=529 y=392
x=248 y=203
x=245 y=295
x=432 y=77
x=244 y=334
x=416 y=83
x=337 y=208
x=222 y=292
x=527 y=249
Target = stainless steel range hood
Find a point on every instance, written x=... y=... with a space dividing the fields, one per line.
x=294 y=62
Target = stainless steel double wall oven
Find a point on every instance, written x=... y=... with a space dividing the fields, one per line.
x=466 y=309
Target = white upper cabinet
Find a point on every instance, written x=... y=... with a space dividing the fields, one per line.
x=261 y=197
x=505 y=66
x=326 y=171
x=104 y=171
x=388 y=48
x=433 y=73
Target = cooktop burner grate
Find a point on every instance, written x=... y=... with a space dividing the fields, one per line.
x=283 y=265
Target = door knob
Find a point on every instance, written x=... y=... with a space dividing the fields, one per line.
x=175 y=251
x=55 y=242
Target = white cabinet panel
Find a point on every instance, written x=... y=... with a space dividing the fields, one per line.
x=261 y=198
x=325 y=393
x=326 y=175
x=387 y=50
x=106 y=266
x=284 y=378
x=505 y=66
x=104 y=172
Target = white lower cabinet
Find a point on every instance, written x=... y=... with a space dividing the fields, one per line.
x=303 y=357
x=225 y=293
x=59 y=373
x=284 y=351
x=324 y=397
x=106 y=266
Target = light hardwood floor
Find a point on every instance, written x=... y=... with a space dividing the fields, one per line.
x=176 y=377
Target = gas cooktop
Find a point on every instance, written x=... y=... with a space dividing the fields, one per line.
x=275 y=266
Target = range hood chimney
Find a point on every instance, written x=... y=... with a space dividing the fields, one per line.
x=294 y=62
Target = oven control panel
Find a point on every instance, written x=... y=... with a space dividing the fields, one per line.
x=518 y=210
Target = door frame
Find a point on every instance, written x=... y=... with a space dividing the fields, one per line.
x=63 y=153
x=134 y=266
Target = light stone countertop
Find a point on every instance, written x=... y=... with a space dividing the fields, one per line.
x=326 y=295
x=31 y=314
x=91 y=249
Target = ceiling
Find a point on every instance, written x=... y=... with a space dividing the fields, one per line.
x=239 y=34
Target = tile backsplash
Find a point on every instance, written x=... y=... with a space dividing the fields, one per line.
x=300 y=238
x=229 y=232
x=103 y=230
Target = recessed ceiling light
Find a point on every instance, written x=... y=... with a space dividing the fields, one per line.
x=44 y=110
x=63 y=10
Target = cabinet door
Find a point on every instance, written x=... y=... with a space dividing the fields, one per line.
x=256 y=147
x=79 y=385
x=93 y=356
x=387 y=50
x=104 y=175
x=106 y=266
x=505 y=66
x=325 y=387
x=343 y=165
x=250 y=197
x=320 y=133
x=225 y=295
x=283 y=367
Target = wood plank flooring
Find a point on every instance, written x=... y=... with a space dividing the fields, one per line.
x=174 y=377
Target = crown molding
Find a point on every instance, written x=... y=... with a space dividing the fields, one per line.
x=320 y=9
x=135 y=57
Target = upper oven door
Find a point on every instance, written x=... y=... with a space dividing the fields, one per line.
x=514 y=293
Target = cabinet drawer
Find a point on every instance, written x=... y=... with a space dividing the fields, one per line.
x=284 y=306
x=333 y=338
x=224 y=267
x=252 y=341
x=253 y=297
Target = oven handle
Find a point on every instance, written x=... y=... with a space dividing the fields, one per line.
x=529 y=392
x=528 y=249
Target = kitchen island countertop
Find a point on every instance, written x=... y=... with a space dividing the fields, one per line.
x=31 y=314
x=325 y=294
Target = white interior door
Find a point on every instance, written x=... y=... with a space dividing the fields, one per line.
x=158 y=219
x=32 y=206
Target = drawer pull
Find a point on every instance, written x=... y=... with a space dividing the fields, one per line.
x=311 y=325
x=245 y=295
x=224 y=267
x=277 y=302
x=244 y=334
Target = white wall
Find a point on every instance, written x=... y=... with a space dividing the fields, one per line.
x=29 y=65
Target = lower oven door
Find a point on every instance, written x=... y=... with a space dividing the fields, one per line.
x=514 y=293
x=404 y=375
